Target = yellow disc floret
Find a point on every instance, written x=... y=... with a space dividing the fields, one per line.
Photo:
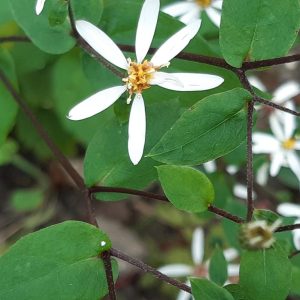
x=139 y=76
x=204 y=3
x=289 y=144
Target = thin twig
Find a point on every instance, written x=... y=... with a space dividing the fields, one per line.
x=288 y=227
x=277 y=106
x=250 y=110
x=148 y=269
x=293 y=254
x=211 y=208
x=14 y=38
x=109 y=275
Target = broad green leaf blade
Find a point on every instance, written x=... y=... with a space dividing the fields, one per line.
x=258 y=29
x=8 y=106
x=204 y=289
x=186 y=188
x=265 y=274
x=58 y=262
x=218 y=267
x=211 y=128
x=235 y=291
x=53 y=38
x=107 y=161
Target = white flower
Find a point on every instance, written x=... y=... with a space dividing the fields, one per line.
x=200 y=267
x=281 y=146
x=210 y=166
x=240 y=191
x=189 y=10
x=258 y=234
x=141 y=74
x=39 y=6
x=292 y=210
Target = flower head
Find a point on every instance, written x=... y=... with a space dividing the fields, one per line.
x=140 y=73
x=292 y=210
x=281 y=145
x=200 y=267
x=258 y=234
x=190 y=10
x=39 y=6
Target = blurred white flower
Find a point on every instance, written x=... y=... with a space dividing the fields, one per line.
x=210 y=166
x=291 y=210
x=141 y=74
x=240 y=191
x=200 y=267
x=39 y=6
x=190 y=10
x=281 y=146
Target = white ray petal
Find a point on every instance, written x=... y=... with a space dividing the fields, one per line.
x=277 y=161
x=296 y=236
x=96 y=103
x=190 y=17
x=137 y=129
x=178 y=8
x=39 y=6
x=217 y=4
x=276 y=128
x=294 y=163
x=175 y=44
x=262 y=174
x=190 y=81
x=214 y=15
x=264 y=143
x=163 y=78
x=176 y=270
x=182 y=295
x=210 y=166
x=289 y=121
x=146 y=28
x=198 y=246
x=289 y=209
x=254 y=81
x=286 y=91
x=233 y=270
x=297 y=146
x=231 y=254
x=101 y=43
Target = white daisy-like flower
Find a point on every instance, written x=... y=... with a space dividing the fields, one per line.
x=281 y=146
x=39 y=6
x=141 y=74
x=258 y=234
x=200 y=267
x=291 y=210
x=190 y=10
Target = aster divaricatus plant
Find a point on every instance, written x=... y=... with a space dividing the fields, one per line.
x=292 y=210
x=190 y=10
x=200 y=267
x=39 y=6
x=141 y=73
x=281 y=145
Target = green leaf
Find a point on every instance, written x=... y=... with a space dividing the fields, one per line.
x=204 y=289
x=186 y=188
x=211 y=128
x=235 y=291
x=26 y=199
x=264 y=214
x=265 y=274
x=295 y=288
x=53 y=39
x=258 y=29
x=8 y=106
x=7 y=151
x=58 y=262
x=107 y=161
x=218 y=267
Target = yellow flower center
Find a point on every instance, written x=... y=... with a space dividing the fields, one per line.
x=289 y=144
x=139 y=76
x=204 y=3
